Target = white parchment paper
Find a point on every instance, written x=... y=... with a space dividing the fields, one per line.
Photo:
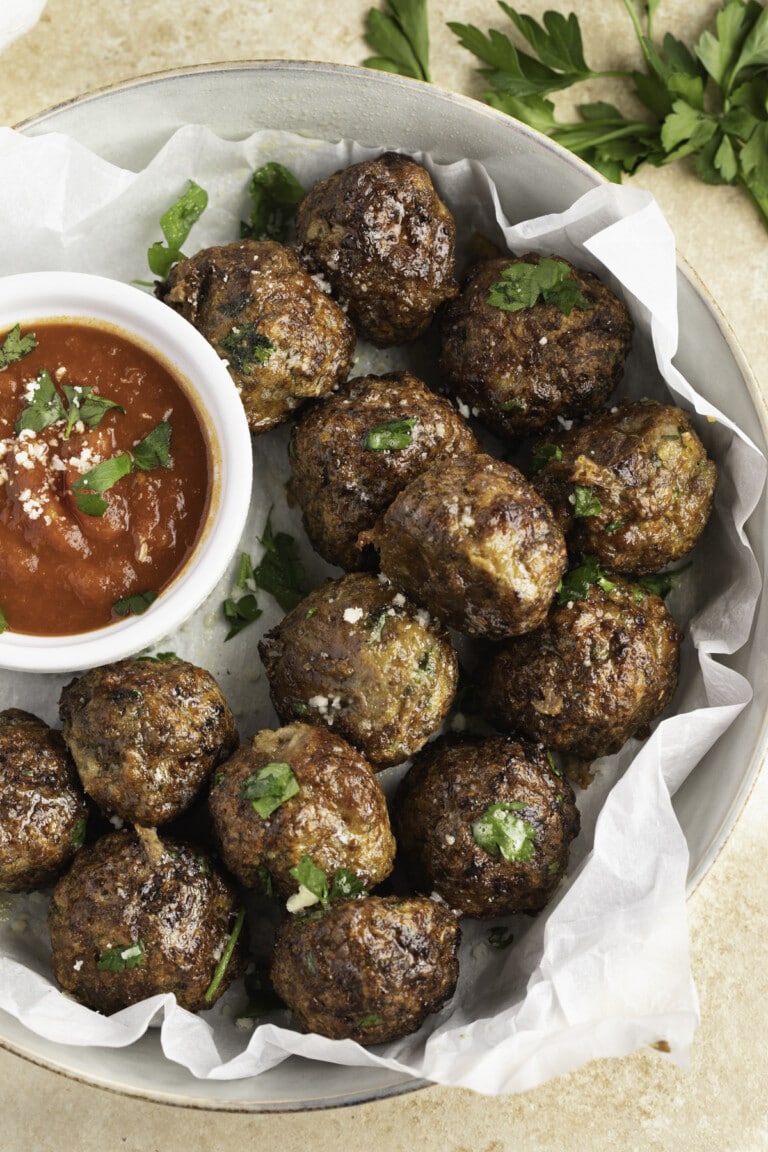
x=605 y=969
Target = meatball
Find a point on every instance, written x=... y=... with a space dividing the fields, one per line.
x=486 y=823
x=352 y=453
x=370 y=970
x=283 y=338
x=384 y=240
x=472 y=540
x=145 y=735
x=42 y=807
x=127 y=924
x=598 y=670
x=632 y=486
x=519 y=370
x=359 y=657
x=328 y=804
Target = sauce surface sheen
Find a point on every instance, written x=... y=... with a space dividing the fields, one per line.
x=61 y=569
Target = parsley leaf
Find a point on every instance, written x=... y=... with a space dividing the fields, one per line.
x=400 y=37
x=86 y=405
x=543 y=453
x=15 y=346
x=45 y=406
x=275 y=195
x=391 y=436
x=500 y=937
x=575 y=584
x=270 y=787
x=240 y=613
x=122 y=957
x=151 y=452
x=246 y=348
x=501 y=830
x=280 y=570
x=662 y=583
x=344 y=882
x=584 y=501
x=522 y=285
x=135 y=605
x=3 y=622
x=708 y=102
x=176 y=223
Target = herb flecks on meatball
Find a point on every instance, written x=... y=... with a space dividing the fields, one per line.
x=284 y=340
x=300 y=791
x=601 y=667
x=632 y=486
x=359 y=657
x=145 y=735
x=124 y=927
x=369 y=970
x=42 y=807
x=486 y=823
x=554 y=355
x=353 y=452
x=474 y=542
x=384 y=240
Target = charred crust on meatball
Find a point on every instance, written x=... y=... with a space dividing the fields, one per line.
x=369 y=970
x=384 y=240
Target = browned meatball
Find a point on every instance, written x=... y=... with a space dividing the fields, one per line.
x=597 y=672
x=632 y=486
x=42 y=806
x=125 y=927
x=329 y=805
x=370 y=970
x=145 y=735
x=519 y=370
x=283 y=338
x=383 y=238
x=352 y=453
x=472 y=541
x=486 y=823
x=359 y=657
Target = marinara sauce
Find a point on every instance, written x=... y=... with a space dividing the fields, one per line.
x=69 y=560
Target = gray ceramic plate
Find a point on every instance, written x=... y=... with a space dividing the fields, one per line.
x=127 y=125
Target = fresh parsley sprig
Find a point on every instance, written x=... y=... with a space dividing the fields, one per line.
x=154 y=451
x=709 y=102
x=400 y=38
x=275 y=195
x=15 y=346
x=176 y=224
x=343 y=885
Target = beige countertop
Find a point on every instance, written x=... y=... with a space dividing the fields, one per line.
x=640 y=1102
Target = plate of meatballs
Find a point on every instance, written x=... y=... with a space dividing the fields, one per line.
x=385 y=774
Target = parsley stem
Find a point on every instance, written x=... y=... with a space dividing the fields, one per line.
x=641 y=37
x=226 y=956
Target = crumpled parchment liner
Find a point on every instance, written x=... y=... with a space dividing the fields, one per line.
x=605 y=970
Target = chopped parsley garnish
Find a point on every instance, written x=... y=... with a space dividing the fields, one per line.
x=391 y=436
x=176 y=224
x=78 y=833
x=575 y=584
x=3 y=622
x=400 y=38
x=46 y=406
x=500 y=937
x=584 y=501
x=135 y=605
x=122 y=957
x=158 y=658
x=543 y=453
x=275 y=195
x=522 y=285
x=279 y=572
x=15 y=346
x=270 y=787
x=246 y=347
x=501 y=830
x=372 y=1020
x=344 y=883
x=226 y=956
x=151 y=452
x=662 y=583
